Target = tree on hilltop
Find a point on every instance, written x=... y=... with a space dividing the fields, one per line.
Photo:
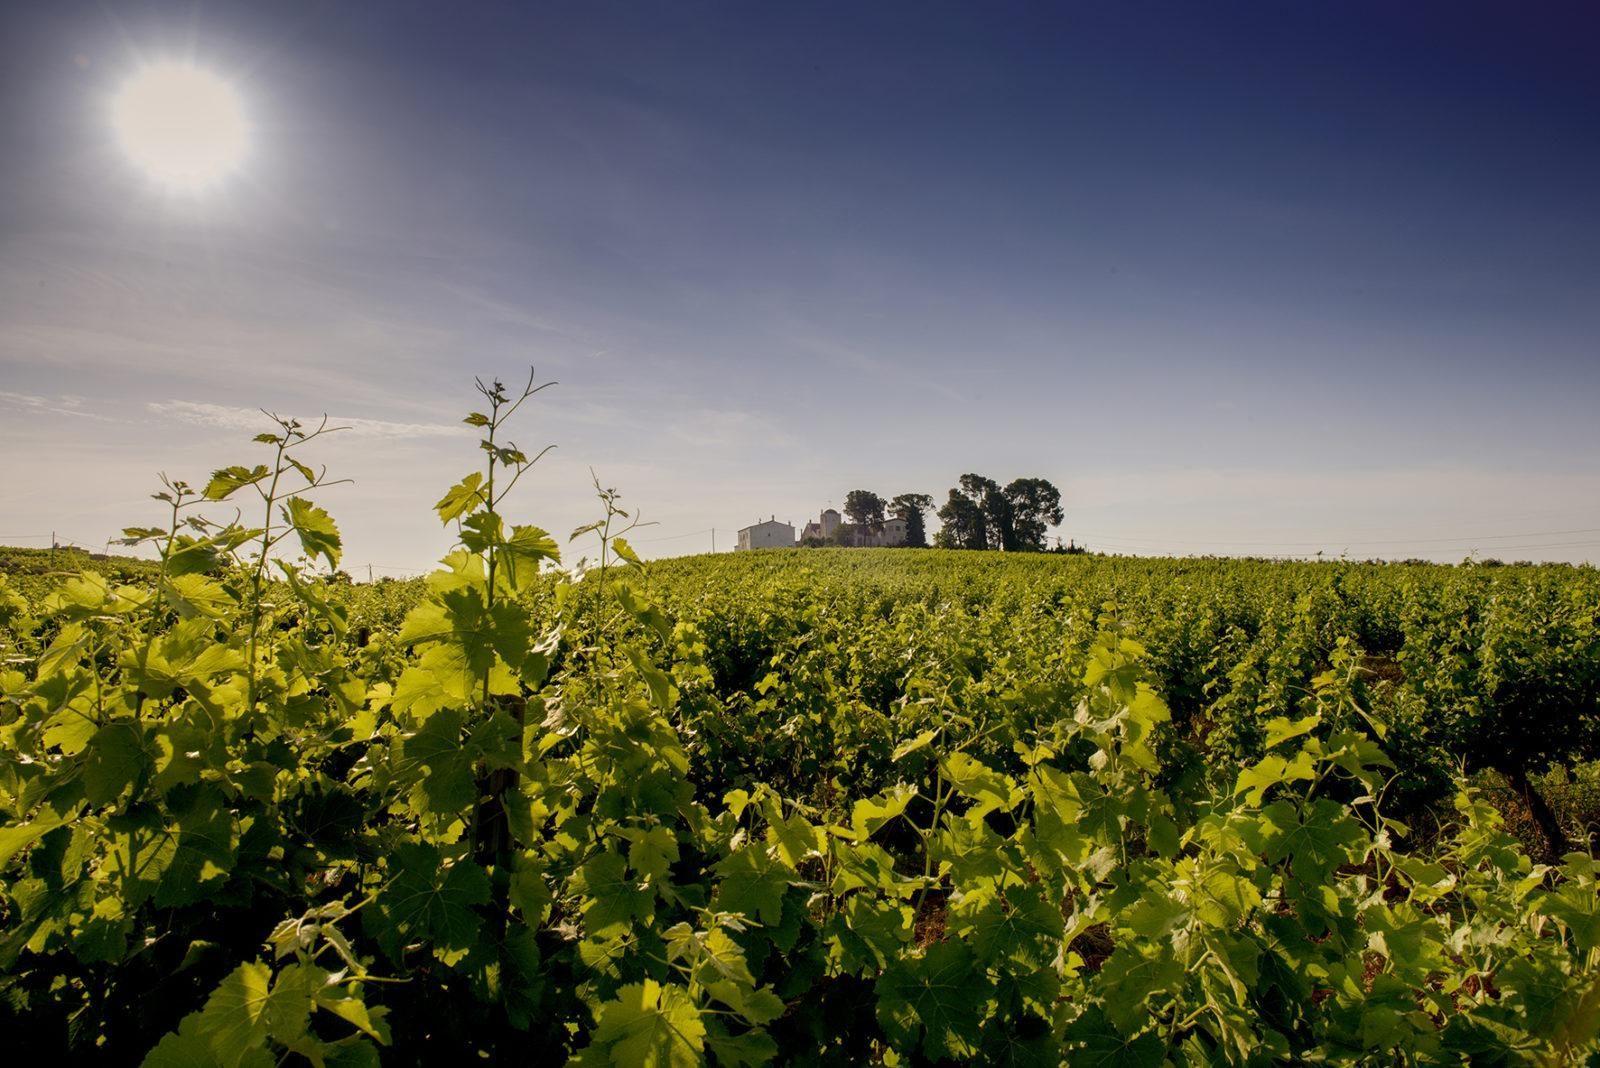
x=964 y=522
x=979 y=514
x=1033 y=505
x=912 y=508
x=864 y=509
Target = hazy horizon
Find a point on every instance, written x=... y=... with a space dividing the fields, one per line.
x=1253 y=280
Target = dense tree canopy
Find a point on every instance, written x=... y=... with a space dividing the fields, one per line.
x=963 y=522
x=912 y=508
x=980 y=514
x=1032 y=506
x=864 y=509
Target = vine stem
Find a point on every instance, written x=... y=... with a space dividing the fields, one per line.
x=260 y=574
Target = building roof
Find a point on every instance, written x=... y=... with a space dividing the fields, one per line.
x=765 y=523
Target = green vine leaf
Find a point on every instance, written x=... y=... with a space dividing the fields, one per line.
x=648 y=1025
x=315 y=527
x=934 y=1001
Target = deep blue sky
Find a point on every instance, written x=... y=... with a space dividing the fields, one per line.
x=1253 y=276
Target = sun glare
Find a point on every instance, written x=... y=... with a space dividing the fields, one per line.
x=182 y=125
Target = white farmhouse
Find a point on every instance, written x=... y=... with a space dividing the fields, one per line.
x=770 y=534
x=892 y=532
x=827 y=527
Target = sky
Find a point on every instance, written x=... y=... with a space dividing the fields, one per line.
x=1269 y=279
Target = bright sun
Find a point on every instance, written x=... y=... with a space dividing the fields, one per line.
x=182 y=125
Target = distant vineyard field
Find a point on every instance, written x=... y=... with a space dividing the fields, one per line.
x=813 y=806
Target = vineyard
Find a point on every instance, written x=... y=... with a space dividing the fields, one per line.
x=822 y=806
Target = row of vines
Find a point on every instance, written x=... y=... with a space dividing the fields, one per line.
x=855 y=806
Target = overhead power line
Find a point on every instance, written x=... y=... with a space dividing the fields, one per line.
x=1334 y=548
x=678 y=537
x=1461 y=539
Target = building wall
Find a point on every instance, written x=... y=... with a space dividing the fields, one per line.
x=768 y=535
x=774 y=535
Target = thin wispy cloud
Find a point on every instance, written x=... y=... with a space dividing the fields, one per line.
x=854 y=359
x=60 y=404
x=722 y=428
x=507 y=312
x=228 y=417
